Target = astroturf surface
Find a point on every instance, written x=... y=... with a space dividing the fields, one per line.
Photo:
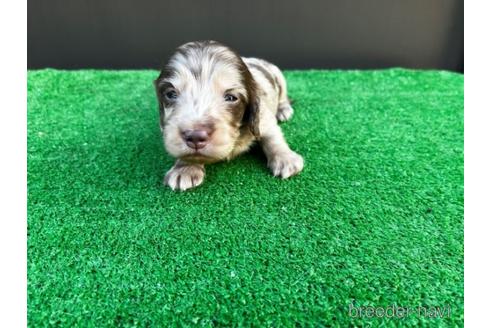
x=375 y=219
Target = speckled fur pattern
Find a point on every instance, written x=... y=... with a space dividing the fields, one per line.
x=199 y=75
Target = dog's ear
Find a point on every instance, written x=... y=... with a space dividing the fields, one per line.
x=252 y=114
x=251 y=117
x=159 y=86
x=158 y=93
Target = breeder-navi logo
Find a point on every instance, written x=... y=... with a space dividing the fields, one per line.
x=399 y=312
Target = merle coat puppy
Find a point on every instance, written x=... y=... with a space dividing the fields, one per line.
x=214 y=105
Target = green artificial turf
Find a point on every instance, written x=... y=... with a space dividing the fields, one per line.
x=375 y=218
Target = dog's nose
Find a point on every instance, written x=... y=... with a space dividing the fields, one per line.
x=196 y=139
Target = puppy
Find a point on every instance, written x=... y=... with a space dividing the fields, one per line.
x=214 y=105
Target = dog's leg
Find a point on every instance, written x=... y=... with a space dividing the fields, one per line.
x=284 y=110
x=184 y=175
x=282 y=161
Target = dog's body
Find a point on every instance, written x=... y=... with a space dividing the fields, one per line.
x=214 y=105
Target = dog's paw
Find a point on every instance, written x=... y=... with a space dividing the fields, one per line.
x=284 y=112
x=286 y=165
x=183 y=177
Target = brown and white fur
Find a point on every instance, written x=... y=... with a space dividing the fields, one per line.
x=214 y=105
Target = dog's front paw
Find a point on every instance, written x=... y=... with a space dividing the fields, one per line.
x=286 y=164
x=182 y=177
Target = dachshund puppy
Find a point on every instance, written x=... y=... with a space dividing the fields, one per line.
x=214 y=105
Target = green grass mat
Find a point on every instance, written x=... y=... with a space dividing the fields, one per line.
x=375 y=218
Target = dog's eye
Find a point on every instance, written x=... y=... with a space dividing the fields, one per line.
x=230 y=98
x=171 y=95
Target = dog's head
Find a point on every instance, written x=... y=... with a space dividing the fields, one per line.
x=207 y=99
